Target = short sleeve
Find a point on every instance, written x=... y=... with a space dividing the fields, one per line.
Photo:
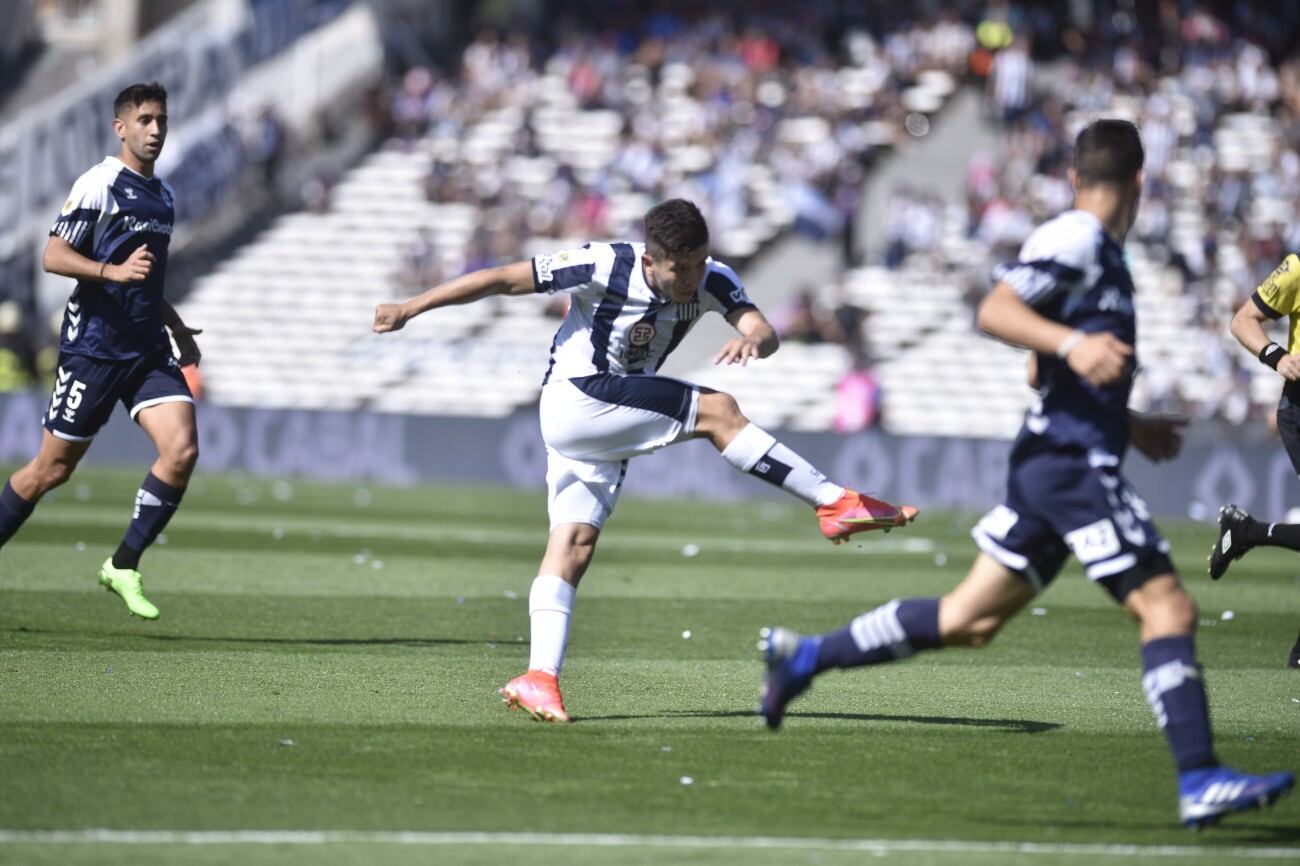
x=1277 y=295
x=1055 y=258
x=565 y=271
x=85 y=204
x=724 y=292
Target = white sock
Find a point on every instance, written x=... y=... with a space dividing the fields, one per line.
x=550 y=604
x=757 y=452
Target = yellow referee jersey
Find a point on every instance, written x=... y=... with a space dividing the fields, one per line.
x=1279 y=296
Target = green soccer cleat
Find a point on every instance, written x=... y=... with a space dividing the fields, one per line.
x=128 y=585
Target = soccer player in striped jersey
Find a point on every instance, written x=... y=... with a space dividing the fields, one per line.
x=1069 y=298
x=602 y=403
x=112 y=237
x=1277 y=296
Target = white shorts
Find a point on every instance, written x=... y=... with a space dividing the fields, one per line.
x=592 y=425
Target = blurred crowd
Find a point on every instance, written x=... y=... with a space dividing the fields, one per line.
x=1216 y=95
x=767 y=122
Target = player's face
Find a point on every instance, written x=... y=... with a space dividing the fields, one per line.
x=678 y=277
x=143 y=129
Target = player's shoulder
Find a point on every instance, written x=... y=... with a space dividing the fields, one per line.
x=1072 y=238
x=101 y=175
x=1284 y=277
x=721 y=272
x=169 y=192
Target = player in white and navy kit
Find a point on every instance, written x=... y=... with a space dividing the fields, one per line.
x=603 y=403
x=112 y=237
x=1069 y=298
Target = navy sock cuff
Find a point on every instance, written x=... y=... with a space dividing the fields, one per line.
x=164 y=491
x=1167 y=649
x=13 y=503
x=919 y=618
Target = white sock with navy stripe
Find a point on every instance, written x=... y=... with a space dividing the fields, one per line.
x=550 y=604
x=757 y=452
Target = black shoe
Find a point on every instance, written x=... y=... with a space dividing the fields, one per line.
x=1232 y=542
x=1294 y=660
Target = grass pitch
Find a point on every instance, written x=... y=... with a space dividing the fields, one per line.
x=325 y=668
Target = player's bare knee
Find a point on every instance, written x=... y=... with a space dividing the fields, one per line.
x=49 y=474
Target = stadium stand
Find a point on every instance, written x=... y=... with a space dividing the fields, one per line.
x=478 y=163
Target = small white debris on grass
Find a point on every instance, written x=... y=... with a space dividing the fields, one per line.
x=1227 y=614
x=941 y=559
x=686 y=635
x=83 y=493
x=288 y=744
x=81 y=546
x=690 y=550
x=1039 y=611
x=277 y=533
x=161 y=539
x=377 y=564
x=460 y=599
x=687 y=780
x=665 y=748
x=510 y=593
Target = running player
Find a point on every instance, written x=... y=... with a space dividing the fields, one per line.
x=1069 y=298
x=602 y=403
x=112 y=238
x=1276 y=297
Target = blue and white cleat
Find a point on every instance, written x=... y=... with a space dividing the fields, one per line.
x=789 y=658
x=1205 y=796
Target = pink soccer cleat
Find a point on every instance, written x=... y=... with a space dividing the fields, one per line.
x=853 y=512
x=537 y=692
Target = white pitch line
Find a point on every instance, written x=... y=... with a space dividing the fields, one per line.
x=628 y=840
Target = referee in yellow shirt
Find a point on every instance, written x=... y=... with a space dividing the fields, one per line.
x=1277 y=296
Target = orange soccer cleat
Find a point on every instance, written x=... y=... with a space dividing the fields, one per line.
x=854 y=512
x=537 y=692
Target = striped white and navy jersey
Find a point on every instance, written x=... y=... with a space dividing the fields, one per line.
x=110 y=212
x=616 y=322
x=1072 y=272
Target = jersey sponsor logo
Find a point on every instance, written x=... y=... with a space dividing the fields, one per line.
x=130 y=193
x=738 y=295
x=641 y=334
x=134 y=224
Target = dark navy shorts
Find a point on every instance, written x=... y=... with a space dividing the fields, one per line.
x=1062 y=502
x=86 y=389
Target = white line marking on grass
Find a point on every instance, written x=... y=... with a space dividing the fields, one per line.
x=374 y=530
x=626 y=840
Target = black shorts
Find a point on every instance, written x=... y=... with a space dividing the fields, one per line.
x=1063 y=501
x=1288 y=422
x=86 y=389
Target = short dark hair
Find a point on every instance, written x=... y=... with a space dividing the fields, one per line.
x=1108 y=151
x=137 y=95
x=675 y=228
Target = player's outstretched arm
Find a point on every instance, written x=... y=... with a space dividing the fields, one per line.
x=1248 y=327
x=757 y=338
x=1099 y=358
x=63 y=259
x=515 y=279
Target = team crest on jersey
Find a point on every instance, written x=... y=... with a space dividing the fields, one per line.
x=641 y=334
x=69 y=206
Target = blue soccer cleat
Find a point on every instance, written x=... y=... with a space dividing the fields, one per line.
x=1205 y=796
x=789 y=658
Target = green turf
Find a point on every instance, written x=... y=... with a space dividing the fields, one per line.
x=327 y=659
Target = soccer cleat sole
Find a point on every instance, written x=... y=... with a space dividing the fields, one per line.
x=907 y=514
x=512 y=702
x=1263 y=802
x=108 y=587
